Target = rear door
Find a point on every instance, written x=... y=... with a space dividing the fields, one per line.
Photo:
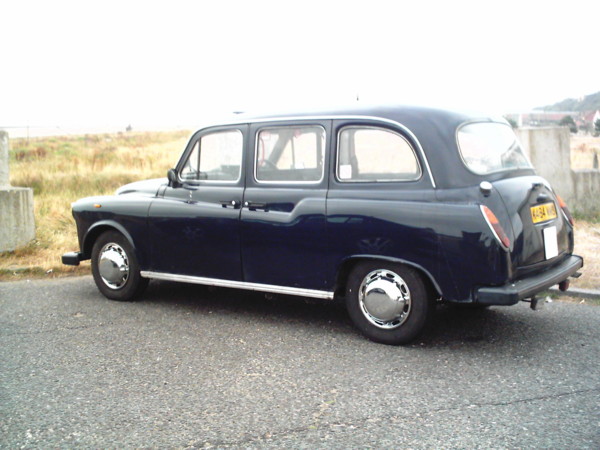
x=283 y=213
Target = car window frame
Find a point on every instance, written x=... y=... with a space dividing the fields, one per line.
x=494 y=172
x=374 y=126
x=196 y=137
x=290 y=124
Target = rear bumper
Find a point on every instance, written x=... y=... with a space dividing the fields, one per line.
x=72 y=258
x=511 y=293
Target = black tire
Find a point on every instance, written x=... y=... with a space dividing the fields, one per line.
x=374 y=312
x=115 y=267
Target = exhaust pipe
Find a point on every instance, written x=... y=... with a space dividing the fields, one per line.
x=564 y=285
x=536 y=304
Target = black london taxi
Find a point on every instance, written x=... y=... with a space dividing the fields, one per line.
x=391 y=209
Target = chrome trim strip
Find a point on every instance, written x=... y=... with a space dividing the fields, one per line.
x=336 y=117
x=238 y=285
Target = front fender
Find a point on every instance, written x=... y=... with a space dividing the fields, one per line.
x=126 y=214
x=97 y=229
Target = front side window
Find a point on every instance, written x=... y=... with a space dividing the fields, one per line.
x=290 y=154
x=375 y=155
x=215 y=157
x=488 y=147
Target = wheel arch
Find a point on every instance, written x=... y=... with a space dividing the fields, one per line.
x=349 y=263
x=97 y=229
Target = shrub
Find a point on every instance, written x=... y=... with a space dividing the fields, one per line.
x=568 y=121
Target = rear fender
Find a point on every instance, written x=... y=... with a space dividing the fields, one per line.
x=349 y=263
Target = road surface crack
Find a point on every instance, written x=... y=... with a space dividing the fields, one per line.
x=318 y=423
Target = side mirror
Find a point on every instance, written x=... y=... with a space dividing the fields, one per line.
x=172 y=177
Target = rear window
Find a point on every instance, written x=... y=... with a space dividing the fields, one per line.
x=490 y=147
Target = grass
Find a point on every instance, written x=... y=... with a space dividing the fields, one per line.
x=583 y=150
x=62 y=169
x=587 y=244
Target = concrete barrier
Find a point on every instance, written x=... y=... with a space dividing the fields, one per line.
x=549 y=150
x=17 y=223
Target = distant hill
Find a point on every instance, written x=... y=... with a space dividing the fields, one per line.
x=588 y=103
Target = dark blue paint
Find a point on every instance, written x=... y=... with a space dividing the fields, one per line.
x=285 y=243
x=301 y=235
x=198 y=237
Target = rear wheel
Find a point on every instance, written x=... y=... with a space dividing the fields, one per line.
x=389 y=303
x=115 y=267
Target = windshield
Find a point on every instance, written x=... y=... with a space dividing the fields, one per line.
x=488 y=147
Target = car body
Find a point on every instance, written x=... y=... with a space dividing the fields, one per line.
x=391 y=208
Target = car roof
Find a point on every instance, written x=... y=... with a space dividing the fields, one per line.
x=433 y=129
x=390 y=112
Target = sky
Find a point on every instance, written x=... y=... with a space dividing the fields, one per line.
x=178 y=63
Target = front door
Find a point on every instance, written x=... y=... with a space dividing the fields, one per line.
x=196 y=232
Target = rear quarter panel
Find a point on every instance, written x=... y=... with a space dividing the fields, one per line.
x=385 y=224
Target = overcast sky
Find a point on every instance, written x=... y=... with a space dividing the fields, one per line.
x=113 y=63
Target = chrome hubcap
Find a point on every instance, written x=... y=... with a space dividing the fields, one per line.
x=113 y=266
x=384 y=299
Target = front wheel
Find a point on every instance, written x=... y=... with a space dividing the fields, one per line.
x=389 y=303
x=115 y=267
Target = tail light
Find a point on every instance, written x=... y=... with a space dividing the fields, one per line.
x=565 y=210
x=495 y=226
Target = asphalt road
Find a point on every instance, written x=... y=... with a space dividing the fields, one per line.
x=193 y=367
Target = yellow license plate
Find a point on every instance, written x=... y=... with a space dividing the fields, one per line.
x=542 y=213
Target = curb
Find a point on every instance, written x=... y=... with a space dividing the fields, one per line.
x=577 y=292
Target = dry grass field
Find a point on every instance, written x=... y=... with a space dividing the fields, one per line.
x=583 y=149
x=63 y=169
x=587 y=234
x=587 y=244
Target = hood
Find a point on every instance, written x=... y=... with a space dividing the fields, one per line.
x=149 y=187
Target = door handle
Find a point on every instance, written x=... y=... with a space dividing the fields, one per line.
x=255 y=206
x=230 y=204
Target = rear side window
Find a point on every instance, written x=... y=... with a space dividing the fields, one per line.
x=290 y=154
x=488 y=147
x=375 y=154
